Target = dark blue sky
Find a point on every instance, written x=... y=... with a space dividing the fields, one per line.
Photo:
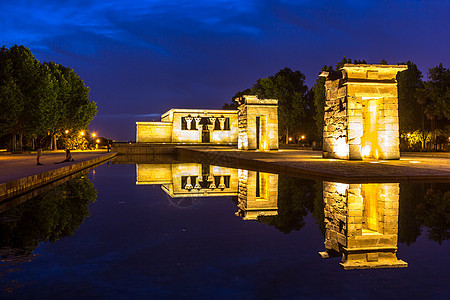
x=141 y=58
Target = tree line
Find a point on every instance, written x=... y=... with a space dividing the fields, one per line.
x=424 y=105
x=39 y=101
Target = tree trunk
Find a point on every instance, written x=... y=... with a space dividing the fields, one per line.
x=14 y=141
x=287 y=135
x=55 y=140
x=423 y=130
x=21 y=140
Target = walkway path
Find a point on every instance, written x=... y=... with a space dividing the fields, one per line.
x=19 y=172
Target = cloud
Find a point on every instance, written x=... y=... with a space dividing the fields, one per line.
x=144 y=24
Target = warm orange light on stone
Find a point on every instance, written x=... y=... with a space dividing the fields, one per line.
x=253 y=127
x=257 y=191
x=361 y=222
x=361 y=113
x=258 y=123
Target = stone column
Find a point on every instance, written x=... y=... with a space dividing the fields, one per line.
x=188 y=122
x=222 y=123
x=197 y=121
x=197 y=183
x=188 y=185
x=222 y=183
x=213 y=121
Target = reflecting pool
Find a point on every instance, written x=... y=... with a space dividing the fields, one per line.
x=190 y=230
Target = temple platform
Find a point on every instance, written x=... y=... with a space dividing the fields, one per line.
x=418 y=167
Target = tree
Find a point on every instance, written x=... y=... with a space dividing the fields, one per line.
x=409 y=113
x=434 y=98
x=289 y=88
x=40 y=99
x=47 y=217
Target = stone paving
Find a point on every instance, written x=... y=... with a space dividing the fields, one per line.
x=411 y=166
x=305 y=163
x=16 y=166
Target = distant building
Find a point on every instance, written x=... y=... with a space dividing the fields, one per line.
x=254 y=126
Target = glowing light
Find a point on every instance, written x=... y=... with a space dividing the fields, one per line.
x=94 y=134
x=341 y=148
x=303 y=137
x=82 y=133
x=414 y=162
x=408 y=135
x=290 y=139
x=341 y=188
x=97 y=141
x=67 y=131
x=365 y=151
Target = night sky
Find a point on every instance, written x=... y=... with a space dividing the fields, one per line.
x=141 y=58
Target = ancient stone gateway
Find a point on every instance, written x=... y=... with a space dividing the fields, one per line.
x=258 y=123
x=361 y=113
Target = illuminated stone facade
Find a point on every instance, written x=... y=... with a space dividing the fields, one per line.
x=191 y=126
x=253 y=127
x=258 y=123
x=257 y=192
x=361 y=222
x=361 y=113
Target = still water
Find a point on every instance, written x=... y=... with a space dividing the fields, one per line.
x=201 y=231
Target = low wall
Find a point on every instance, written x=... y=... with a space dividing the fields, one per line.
x=153 y=132
x=143 y=148
x=19 y=186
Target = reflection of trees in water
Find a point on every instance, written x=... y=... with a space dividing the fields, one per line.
x=45 y=218
x=296 y=198
x=424 y=205
x=421 y=205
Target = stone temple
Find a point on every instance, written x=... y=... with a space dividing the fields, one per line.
x=361 y=113
x=254 y=126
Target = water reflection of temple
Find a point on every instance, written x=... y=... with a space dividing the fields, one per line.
x=362 y=224
x=257 y=192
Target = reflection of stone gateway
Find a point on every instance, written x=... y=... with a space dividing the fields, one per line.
x=361 y=113
x=361 y=223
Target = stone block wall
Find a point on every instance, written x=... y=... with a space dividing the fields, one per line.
x=266 y=110
x=153 y=132
x=336 y=121
x=253 y=203
x=361 y=222
x=361 y=113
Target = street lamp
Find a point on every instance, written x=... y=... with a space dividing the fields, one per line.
x=67 y=131
x=94 y=134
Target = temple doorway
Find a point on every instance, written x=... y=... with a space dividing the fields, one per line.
x=205 y=136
